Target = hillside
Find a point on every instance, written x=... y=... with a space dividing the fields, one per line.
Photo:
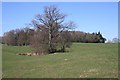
x=83 y=60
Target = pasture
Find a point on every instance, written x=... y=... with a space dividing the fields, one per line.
x=84 y=60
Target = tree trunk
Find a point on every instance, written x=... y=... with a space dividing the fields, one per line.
x=63 y=49
x=49 y=37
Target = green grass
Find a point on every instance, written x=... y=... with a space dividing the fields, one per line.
x=0 y=60
x=83 y=60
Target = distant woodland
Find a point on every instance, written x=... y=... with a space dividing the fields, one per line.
x=26 y=36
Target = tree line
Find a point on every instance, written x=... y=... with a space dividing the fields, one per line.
x=50 y=34
x=39 y=39
x=78 y=36
x=25 y=36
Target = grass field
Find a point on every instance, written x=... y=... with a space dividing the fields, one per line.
x=0 y=60
x=83 y=60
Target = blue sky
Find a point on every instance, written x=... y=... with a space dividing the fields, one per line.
x=89 y=16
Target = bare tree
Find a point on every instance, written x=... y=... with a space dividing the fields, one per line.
x=52 y=19
x=10 y=38
x=40 y=42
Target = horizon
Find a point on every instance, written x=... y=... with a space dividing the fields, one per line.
x=89 y=16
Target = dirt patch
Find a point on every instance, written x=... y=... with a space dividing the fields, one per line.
x=29 y=54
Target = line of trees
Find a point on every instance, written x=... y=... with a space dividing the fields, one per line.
x=25 y=36
x=50 y=33
x=18 y=37
x=78 y=36
x=39 y=39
